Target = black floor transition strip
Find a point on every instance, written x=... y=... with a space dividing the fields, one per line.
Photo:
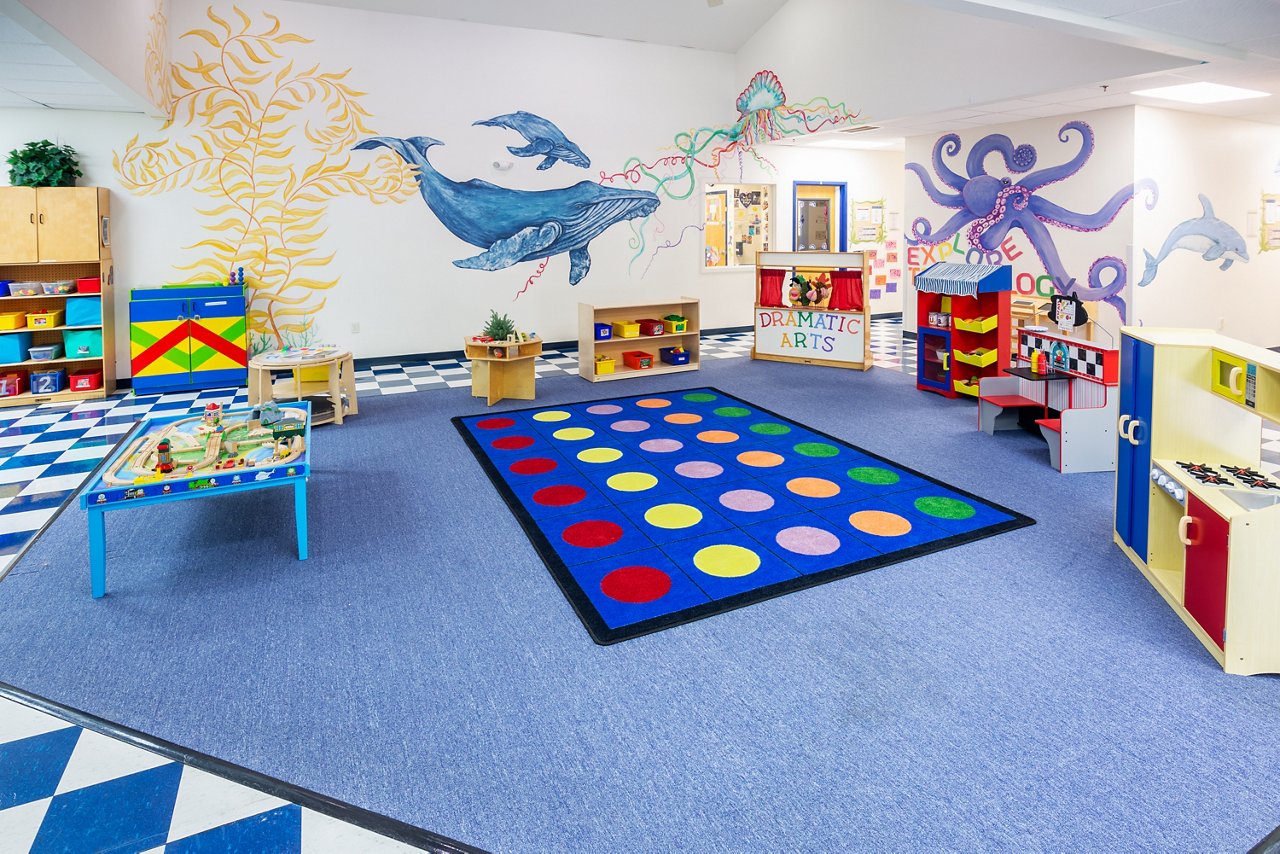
x=372 y=821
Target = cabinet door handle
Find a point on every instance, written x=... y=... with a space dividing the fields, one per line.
x=1121 y=424
x=1233 y=380
x=1183 y=524
x=33 y=219
x=195 y=317
x=42 y=219
x=946 y=361
x=1133 y=427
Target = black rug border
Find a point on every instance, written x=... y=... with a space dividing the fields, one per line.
x=603 y=635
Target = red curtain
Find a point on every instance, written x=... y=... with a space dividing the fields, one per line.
x=771 y=288
x=846 y=290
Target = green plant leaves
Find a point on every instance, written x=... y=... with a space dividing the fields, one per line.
x=43 y=164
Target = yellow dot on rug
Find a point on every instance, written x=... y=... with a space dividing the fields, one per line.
x=552 y=415
x=725 y=561
x=599 y=455
x=632 y=481
x=880 y=523
x=673 y=516
x=574 y=434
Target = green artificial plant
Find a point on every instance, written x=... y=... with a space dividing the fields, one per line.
x=499 y=326
x=43 y=164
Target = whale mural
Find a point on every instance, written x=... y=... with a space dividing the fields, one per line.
x=1206 y=235
x=544 y=139
x=518 y=225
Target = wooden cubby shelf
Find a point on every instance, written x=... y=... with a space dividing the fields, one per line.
x=588 y=347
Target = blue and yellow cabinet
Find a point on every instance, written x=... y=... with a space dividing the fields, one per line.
x=1197 y=397
x=187 y=337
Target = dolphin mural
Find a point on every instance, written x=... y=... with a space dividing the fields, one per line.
x=518 y=225
x=543 y=137
x=1207 y=235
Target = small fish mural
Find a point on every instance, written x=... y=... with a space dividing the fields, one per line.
x=544 y=138
x=1207 y=235
x=518 y=225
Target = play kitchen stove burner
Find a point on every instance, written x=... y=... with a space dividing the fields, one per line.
x=1229 y=477
x=1250 y=478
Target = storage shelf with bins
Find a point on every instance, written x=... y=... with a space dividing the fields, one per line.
x=613 y=348
x=51 y=234
x=972 y=341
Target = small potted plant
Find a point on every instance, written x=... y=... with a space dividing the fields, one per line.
x=499 y=327
x=43 y=164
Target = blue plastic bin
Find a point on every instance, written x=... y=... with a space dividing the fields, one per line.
x=84 y=311
x=14 y=346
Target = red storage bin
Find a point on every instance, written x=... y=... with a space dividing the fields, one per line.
x=12 y=383
x=637 y=359
x=84 y=380
x=89 y=286
x=649 y=326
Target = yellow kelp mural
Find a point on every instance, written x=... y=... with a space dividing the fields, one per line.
x=268 y=143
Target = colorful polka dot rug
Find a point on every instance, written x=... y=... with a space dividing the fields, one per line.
x=655 y=510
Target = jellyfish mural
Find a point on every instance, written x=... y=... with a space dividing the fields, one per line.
x=990 y=206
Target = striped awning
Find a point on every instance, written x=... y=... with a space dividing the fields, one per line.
x=964 y=280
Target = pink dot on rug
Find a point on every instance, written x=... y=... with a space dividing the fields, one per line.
x=747 y=500
x=804 y=540
x=592 y=534
x=661 y=446
x=699 y=469
x=635 y=584
x=630 y=426
x=511 y=443
x=496 y=423
x=604 y=409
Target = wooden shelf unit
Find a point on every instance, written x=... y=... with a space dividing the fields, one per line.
x=502 y=369
x=588 y=347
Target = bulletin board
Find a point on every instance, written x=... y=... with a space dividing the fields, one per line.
x=867 y=222
x=1269 y=233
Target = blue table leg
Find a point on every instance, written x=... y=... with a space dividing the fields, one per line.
x=97 y=553
x=300 y=512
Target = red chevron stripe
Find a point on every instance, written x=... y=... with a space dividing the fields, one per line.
x=175 y=336
x=217 y=342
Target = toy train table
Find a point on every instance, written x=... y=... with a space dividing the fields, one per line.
x=172 y=458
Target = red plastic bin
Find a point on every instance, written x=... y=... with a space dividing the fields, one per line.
x=637 y=359
x=84 y=380
x=89 y=286
x=649 y=326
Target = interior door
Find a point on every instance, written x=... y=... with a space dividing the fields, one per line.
x=817 y=218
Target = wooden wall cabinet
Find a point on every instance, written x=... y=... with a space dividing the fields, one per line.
x=54 y=224
x=52 y=234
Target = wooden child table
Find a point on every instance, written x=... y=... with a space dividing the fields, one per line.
x=339 y=383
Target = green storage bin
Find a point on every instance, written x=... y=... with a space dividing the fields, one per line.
x=82 y=343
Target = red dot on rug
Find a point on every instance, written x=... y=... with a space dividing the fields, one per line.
x=592 y=534
x=532 y=465
x=512 y=443
x=635 y=584
x=496 y=423
x=560 y=495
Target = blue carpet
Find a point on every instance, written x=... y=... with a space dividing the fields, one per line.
x=1028 y=691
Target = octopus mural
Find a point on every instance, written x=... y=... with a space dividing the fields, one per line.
x=990 y=206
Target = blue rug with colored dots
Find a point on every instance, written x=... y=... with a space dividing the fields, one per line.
x=656 y=510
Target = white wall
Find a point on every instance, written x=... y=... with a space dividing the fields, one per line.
x=1233 y=163
x=898 y=59
x=1110 y=168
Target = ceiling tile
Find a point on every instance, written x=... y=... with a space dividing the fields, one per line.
x=1210 y=20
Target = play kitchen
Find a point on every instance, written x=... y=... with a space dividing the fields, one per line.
x=1195 y=511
